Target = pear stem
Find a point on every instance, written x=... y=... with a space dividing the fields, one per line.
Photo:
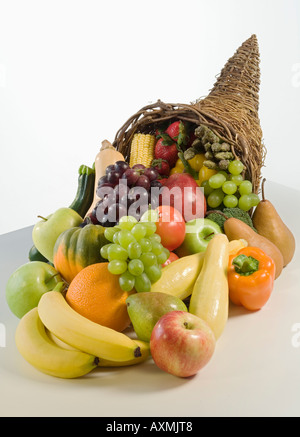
x=43 y=218
x=263 y=189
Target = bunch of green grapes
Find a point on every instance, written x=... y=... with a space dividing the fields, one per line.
x=230 y=189
x=135 y=253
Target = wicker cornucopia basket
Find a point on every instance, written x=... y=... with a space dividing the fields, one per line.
x=230 y=110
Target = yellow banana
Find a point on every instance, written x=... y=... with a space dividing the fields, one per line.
x=145 y=351
x=210 y=298
x=83 y=334
x=179 y=277
x=59 y=342
x=144 y=347
x=37 y=349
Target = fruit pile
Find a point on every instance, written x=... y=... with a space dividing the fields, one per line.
x=143 y=263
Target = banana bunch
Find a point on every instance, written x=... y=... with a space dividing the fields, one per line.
x=58 y=341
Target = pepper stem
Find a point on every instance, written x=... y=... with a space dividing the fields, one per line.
x=245 y=265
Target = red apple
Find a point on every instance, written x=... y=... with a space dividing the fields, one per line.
x=183 y=193
x=181 y=343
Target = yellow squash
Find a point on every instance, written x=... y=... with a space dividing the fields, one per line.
x=210 y=299
x=179 y=277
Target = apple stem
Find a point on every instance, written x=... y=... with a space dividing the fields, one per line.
x=43 y=218
x=209 y=235
x=51 y=277
x=186 y=325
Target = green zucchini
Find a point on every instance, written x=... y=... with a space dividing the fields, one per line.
x=85 y=190
x=35 y=255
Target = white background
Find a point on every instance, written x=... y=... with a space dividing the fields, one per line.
x=72 y=72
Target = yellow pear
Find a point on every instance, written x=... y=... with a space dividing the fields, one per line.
x=269 y=224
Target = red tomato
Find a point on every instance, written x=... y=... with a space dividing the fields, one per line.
x=170 y=227
x=172 y=257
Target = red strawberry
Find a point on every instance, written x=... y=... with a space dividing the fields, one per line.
x=161 y=166
x=168 y=151
x=178 y=132
x=161 y=129
x=173 y=130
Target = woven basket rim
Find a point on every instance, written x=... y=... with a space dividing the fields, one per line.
x=147 y=118
x=230 y=110
x=160 y=111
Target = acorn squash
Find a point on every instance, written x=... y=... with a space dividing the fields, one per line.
x=76 y=248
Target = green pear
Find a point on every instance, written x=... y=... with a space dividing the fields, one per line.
x=145 y=309
x=27 y=284
x=47 y=230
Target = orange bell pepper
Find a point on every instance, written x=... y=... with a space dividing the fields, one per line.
x=251 y=275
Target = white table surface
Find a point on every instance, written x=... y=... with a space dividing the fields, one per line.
x=255 y=370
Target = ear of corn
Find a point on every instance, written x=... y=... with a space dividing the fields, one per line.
x=142 y=149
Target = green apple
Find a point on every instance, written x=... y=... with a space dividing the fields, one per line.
x=28 y=283
x=198 y=233
x=145 y=309
x=47 y=230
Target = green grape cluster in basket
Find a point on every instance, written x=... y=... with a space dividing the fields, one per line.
x=230 y=189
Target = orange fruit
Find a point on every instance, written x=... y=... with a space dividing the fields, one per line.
x=95 y=293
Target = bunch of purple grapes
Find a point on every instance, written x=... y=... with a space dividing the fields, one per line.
x=124 y=191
